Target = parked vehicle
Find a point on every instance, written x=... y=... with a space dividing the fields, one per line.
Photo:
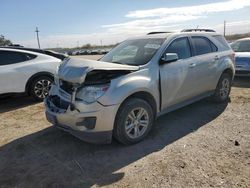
x=140 y=79
x=30 y=71
x=47 y=52
x=242 y=49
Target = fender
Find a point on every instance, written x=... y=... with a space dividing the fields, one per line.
x=123 y=87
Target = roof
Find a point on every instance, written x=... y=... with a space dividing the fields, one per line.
x=166 y=34
x=46 y=52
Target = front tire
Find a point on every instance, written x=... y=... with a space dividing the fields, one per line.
x=40 y=87
x=223 y=88
x=133 y=122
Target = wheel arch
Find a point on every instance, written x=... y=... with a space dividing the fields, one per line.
x=229 y=71
x=37 y=75
x=148 y=97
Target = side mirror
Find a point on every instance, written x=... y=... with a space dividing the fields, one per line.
x=169 y=57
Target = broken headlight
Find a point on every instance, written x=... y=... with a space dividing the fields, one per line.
x=90 y=94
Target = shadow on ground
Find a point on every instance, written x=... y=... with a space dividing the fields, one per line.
x=53 y=158
x=9 y=103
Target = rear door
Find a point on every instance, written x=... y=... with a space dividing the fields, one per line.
x=12 y=76
x=207 y=59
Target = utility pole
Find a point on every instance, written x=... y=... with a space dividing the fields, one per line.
x=37 y=36
x=224 y=28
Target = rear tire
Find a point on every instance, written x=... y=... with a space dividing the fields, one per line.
x=223 y=88
x=39 y=87
x=133 y=121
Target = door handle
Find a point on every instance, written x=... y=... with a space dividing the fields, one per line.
x=192 y=65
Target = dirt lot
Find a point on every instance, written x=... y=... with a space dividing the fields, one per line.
x=201 y=145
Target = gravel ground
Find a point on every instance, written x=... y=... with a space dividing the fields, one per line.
x=201 y=145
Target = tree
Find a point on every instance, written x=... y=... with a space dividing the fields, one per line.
x=87 y=46
x=4 y=42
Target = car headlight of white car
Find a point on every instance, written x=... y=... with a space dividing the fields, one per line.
x=90 y=94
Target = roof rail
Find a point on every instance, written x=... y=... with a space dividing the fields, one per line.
x=158 y=32
x=197 y=30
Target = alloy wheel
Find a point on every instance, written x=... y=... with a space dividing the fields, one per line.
x=136 y=123
x=225 y=88
x=42 y=87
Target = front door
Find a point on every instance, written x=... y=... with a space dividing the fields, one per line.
x=178 y=80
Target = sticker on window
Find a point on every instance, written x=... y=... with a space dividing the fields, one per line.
x=154 y=46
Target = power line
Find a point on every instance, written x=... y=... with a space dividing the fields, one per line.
x=37 y=36
x=224 y=32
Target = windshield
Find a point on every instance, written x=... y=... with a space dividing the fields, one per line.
x=241 y=46
x=134 y=52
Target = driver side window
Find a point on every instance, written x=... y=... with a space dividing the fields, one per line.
x=181 y=47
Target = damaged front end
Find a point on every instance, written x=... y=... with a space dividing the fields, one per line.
x=72 y=103
x=88 y=80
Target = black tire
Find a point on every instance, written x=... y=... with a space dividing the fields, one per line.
x=122 y=117
x=221 y=95
x=33 y=90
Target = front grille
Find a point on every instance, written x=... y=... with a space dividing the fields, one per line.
x=66 y=86
x=59 y=103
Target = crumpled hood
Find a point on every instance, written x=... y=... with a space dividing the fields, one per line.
x=74 y=70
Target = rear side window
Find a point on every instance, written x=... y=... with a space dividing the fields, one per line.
x=9 y=57
x=214 y=48
x=203 y=46
x=222 y=41
x=181 y=47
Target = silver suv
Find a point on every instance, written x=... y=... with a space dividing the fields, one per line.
x=140 y=79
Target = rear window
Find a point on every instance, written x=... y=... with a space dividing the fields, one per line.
x=222 y=41
x=56 y=55
x=202 y=45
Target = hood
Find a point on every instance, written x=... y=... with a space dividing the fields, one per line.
x=75 y=70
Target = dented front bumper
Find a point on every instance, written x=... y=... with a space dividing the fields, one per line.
x=89 y=122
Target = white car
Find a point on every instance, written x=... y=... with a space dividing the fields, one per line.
x=28 y=71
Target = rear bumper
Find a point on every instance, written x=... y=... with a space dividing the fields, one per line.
x=242 y=72
x=94 y=125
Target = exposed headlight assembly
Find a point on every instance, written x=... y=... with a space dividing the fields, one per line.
x=90 y=94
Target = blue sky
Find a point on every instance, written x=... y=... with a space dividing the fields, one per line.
x=65 y=23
